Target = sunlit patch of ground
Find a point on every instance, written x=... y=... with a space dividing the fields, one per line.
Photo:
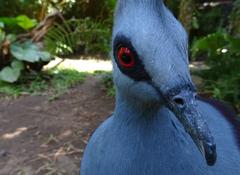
x=198 y=66
x=90 y=65
x=14 y=134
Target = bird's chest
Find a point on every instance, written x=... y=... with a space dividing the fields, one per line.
x=149 y=152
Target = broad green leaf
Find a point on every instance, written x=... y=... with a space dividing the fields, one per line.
x=29 y=52
x=25 y=22
x=210 y=42
x=234 y=44
x=7 y=21
x=23 y=53
x=45 y=56
x=1 y=24
x=11 y=37
x=16 y=64
x=9 y=74
x=195 y=23
x=29 y=44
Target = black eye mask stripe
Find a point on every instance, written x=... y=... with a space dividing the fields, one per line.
x=138 y=72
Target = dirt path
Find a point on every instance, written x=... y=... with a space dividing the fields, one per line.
x=38 y=136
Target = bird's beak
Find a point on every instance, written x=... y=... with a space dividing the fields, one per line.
x=183 y=104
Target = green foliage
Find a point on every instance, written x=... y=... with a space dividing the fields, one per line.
x=64 y=79
x=61 y=39
x=13 y=8
x=107 y=81
x=25 y=22
x=15 y=24
x=2 y=36
x=100 y=10
x=15 y=56
x=95 y=36
x=73 y=35
x=223 y=51
x=222 y=79
x=209 y=20
x=24 y=53
x=11 y=73
x=173 y=6
x=234 y=18
x=29 y=52
x=202 y=17
x=53 y=82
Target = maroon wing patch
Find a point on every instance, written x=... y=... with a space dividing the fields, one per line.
x=228 y=112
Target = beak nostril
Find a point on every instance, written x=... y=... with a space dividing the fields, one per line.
x=179 y=101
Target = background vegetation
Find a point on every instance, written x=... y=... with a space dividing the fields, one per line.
x=85 y=28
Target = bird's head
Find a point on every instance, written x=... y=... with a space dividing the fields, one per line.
x=150 y=60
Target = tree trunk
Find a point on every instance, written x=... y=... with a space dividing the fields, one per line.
x=95 y=8
x=187 y=8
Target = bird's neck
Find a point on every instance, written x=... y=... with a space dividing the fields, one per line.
x=131 y=109
x=141 y=1
x=133 y=5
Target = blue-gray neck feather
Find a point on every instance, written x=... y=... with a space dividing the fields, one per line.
x=132 y=5
x=134 y=108
x=145 y=2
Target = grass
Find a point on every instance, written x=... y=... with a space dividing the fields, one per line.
x=107 y=81
x=52 y=82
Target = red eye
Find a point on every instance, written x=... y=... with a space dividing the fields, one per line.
x=126 y=57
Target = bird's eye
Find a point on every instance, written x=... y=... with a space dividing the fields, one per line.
x=128 y=60
x=126 y=57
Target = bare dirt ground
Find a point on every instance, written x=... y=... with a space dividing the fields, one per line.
x=43 y=137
